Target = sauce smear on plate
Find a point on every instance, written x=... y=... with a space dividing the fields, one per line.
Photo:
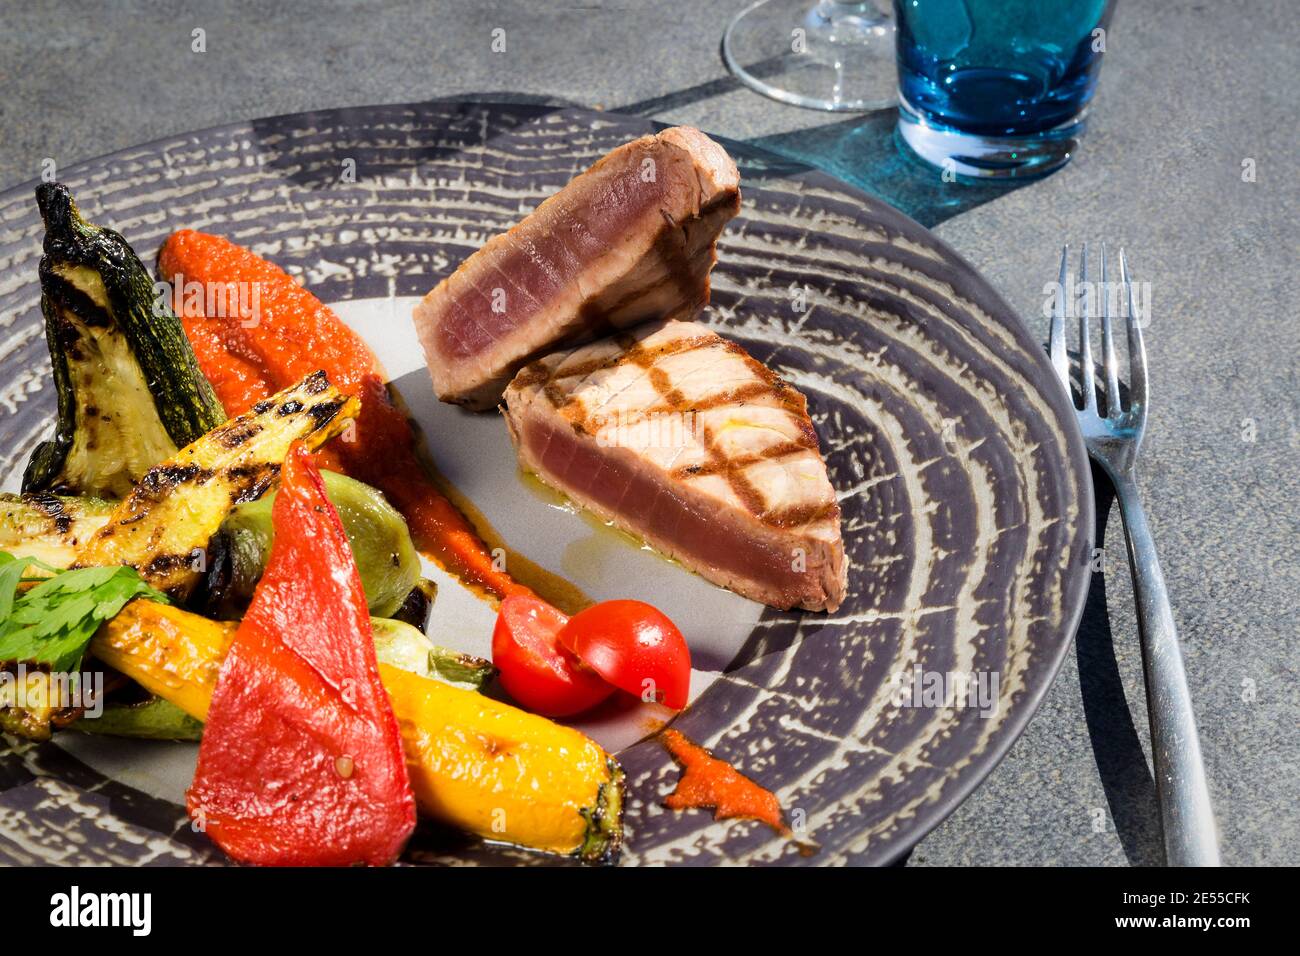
x=708 y=782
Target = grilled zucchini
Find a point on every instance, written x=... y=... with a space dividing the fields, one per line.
x=474 y=762
x=52 y=528
x=49 y=527
x=409 y=648
x=150 y=719
x=129 y=389
x=163 y=527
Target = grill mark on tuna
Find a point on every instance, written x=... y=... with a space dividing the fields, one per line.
x=672 y=401
x=731 y=553
x=775 y=453
x=750 y=496
x=630 y=347
x=673 y=398
x=801 y=515
x=736 y=396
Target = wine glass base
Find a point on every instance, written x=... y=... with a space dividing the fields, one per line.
x=797 y=52
x=971 y=156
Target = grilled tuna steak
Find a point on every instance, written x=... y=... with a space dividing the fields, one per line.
x=678 y=436
x=629 y=240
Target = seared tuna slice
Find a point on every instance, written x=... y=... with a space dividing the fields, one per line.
x=629 y=240
x=681 y=438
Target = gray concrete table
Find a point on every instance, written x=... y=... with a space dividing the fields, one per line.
x=1189 y=92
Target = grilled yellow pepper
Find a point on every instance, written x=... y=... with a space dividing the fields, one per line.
x=474 y=762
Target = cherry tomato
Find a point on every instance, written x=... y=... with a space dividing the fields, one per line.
x=536 y=671
x=635 y=647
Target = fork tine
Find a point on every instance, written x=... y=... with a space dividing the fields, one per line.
x=1056 y=340
x=1108 y=345
x=1085 y=339
x=1137 y=350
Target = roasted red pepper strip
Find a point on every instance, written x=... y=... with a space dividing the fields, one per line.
x=301 y=763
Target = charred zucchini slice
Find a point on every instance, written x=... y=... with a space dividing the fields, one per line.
x=149 y=719
x=129 y=389
x=49 y=527
x=53 y=527
x=162 y=529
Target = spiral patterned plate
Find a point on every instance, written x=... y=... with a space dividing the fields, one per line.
x=967 y=505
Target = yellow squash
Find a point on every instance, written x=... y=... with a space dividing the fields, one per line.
x=474 y=762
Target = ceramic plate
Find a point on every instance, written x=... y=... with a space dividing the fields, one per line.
x=967 y=507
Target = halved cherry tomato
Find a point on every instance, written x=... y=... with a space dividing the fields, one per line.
x=635 y=647
x=536 y=671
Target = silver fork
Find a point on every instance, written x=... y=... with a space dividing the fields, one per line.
x=1113 y=442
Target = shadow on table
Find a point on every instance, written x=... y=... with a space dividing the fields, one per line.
x=1116 y=746
x=860 y=149
x=864 y=152
x=319 y=140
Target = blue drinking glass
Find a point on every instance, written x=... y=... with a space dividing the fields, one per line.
x=997 y=89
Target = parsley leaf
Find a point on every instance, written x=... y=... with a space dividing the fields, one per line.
x=51 y=622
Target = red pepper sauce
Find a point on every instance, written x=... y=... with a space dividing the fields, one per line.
x=707 y=781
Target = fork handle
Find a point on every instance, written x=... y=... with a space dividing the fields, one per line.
x=1189 y=830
